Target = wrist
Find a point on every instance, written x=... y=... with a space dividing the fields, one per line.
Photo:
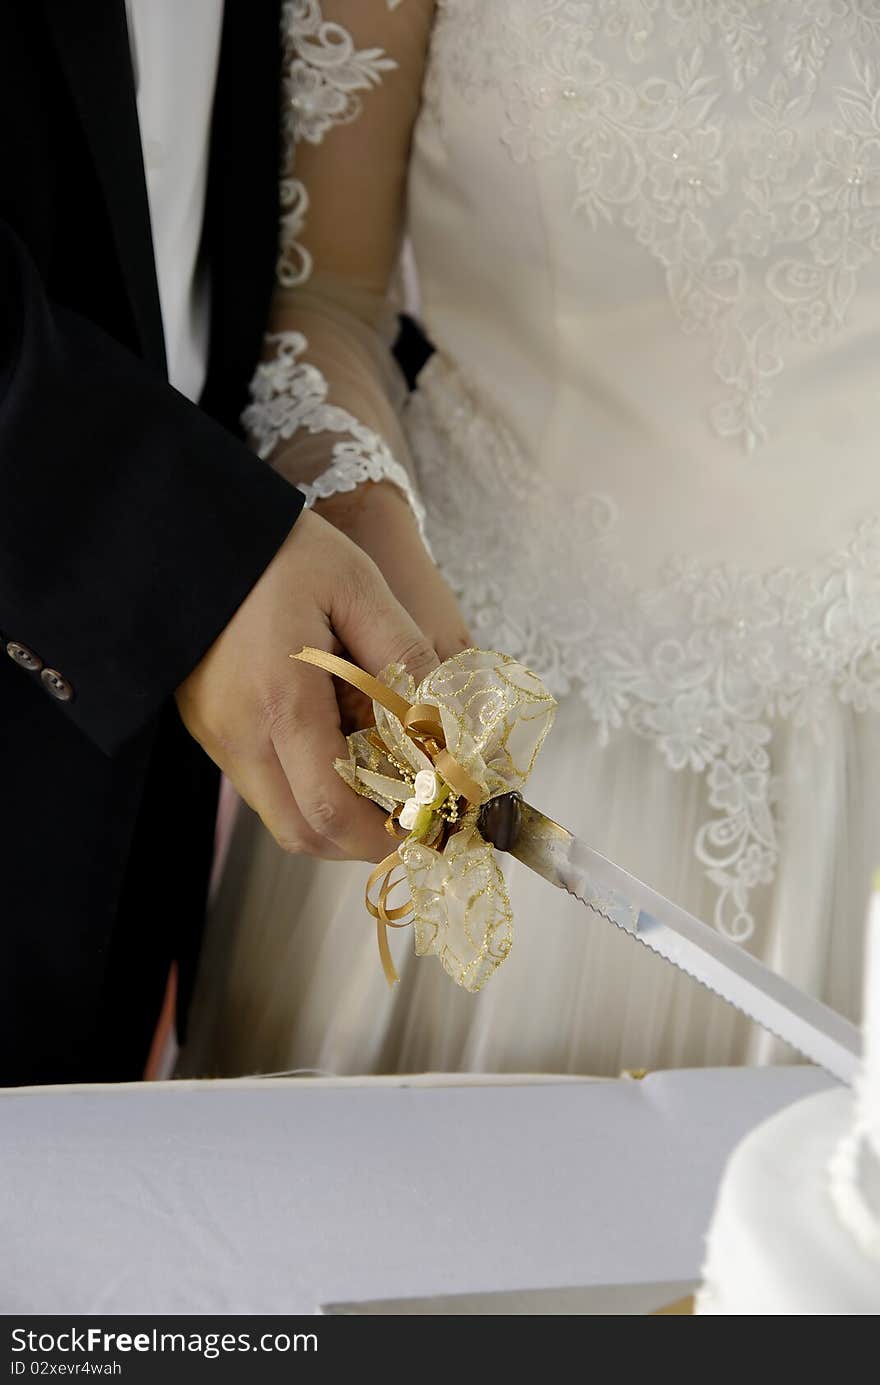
x=344 y=509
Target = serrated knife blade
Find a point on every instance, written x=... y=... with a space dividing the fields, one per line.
x=814 y=1029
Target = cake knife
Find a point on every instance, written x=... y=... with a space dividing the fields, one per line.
x=814 y=1029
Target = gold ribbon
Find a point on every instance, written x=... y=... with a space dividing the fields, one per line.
x=399 y=917
x=422 y=723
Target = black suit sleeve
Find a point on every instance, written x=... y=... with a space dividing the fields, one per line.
x=131 y=525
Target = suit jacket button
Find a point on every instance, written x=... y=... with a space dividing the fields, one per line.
x=24 y=657
x=59 y=687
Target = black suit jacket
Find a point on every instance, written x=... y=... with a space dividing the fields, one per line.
x=132 y=524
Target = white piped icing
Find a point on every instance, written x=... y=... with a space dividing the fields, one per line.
x=855 y=1165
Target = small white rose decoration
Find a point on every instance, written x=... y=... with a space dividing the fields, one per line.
x=408 y=814
x=426 y=787
x=415 y=814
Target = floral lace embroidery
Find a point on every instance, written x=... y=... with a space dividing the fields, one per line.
x=324 y=75
x=294 y=261
x=288 y=395
x=701 y=665
x=761 y=221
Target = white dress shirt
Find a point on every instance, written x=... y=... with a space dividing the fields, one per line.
x=175 y=46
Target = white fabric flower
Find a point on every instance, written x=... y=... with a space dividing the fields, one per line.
x=425 y=786
x=408 y=814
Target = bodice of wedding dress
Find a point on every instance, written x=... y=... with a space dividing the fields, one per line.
x=675 y=244
x=647 y=237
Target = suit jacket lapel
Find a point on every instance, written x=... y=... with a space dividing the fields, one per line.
x=91 y=37
x=241 y=212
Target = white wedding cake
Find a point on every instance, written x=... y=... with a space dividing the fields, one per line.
x=796 y=1228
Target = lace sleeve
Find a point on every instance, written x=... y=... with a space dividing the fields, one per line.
x=325 y=398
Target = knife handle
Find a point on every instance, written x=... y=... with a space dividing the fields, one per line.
x=500 y=821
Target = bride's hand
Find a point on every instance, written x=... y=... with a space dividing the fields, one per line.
x=378 y=519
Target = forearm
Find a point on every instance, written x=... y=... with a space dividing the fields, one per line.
x=324 y=408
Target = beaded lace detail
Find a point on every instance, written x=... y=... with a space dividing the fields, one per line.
x=701 y=664
x=748 y=174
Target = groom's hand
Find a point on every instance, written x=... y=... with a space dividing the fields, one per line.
x=271 y=723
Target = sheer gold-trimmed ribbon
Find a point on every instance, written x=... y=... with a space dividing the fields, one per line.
x=422 y=723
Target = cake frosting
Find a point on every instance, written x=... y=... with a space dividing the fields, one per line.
x=796 y=1228
x=855 y=1166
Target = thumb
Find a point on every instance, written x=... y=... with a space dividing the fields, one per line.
x=373 y=626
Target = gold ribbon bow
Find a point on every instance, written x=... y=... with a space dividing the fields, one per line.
x=471 y=730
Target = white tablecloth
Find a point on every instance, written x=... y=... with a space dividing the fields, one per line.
x=278 y=1196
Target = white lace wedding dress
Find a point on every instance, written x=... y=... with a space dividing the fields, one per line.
x=647 y=235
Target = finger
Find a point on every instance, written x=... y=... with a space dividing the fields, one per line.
x=450 y=643
x=375 y=628
x=264 y=787
x=355 y=708
x=307 y=740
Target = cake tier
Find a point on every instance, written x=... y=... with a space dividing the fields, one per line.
x=868 y=1086
x=855 y=1167
x=855 y=1186
x=776 y=1244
